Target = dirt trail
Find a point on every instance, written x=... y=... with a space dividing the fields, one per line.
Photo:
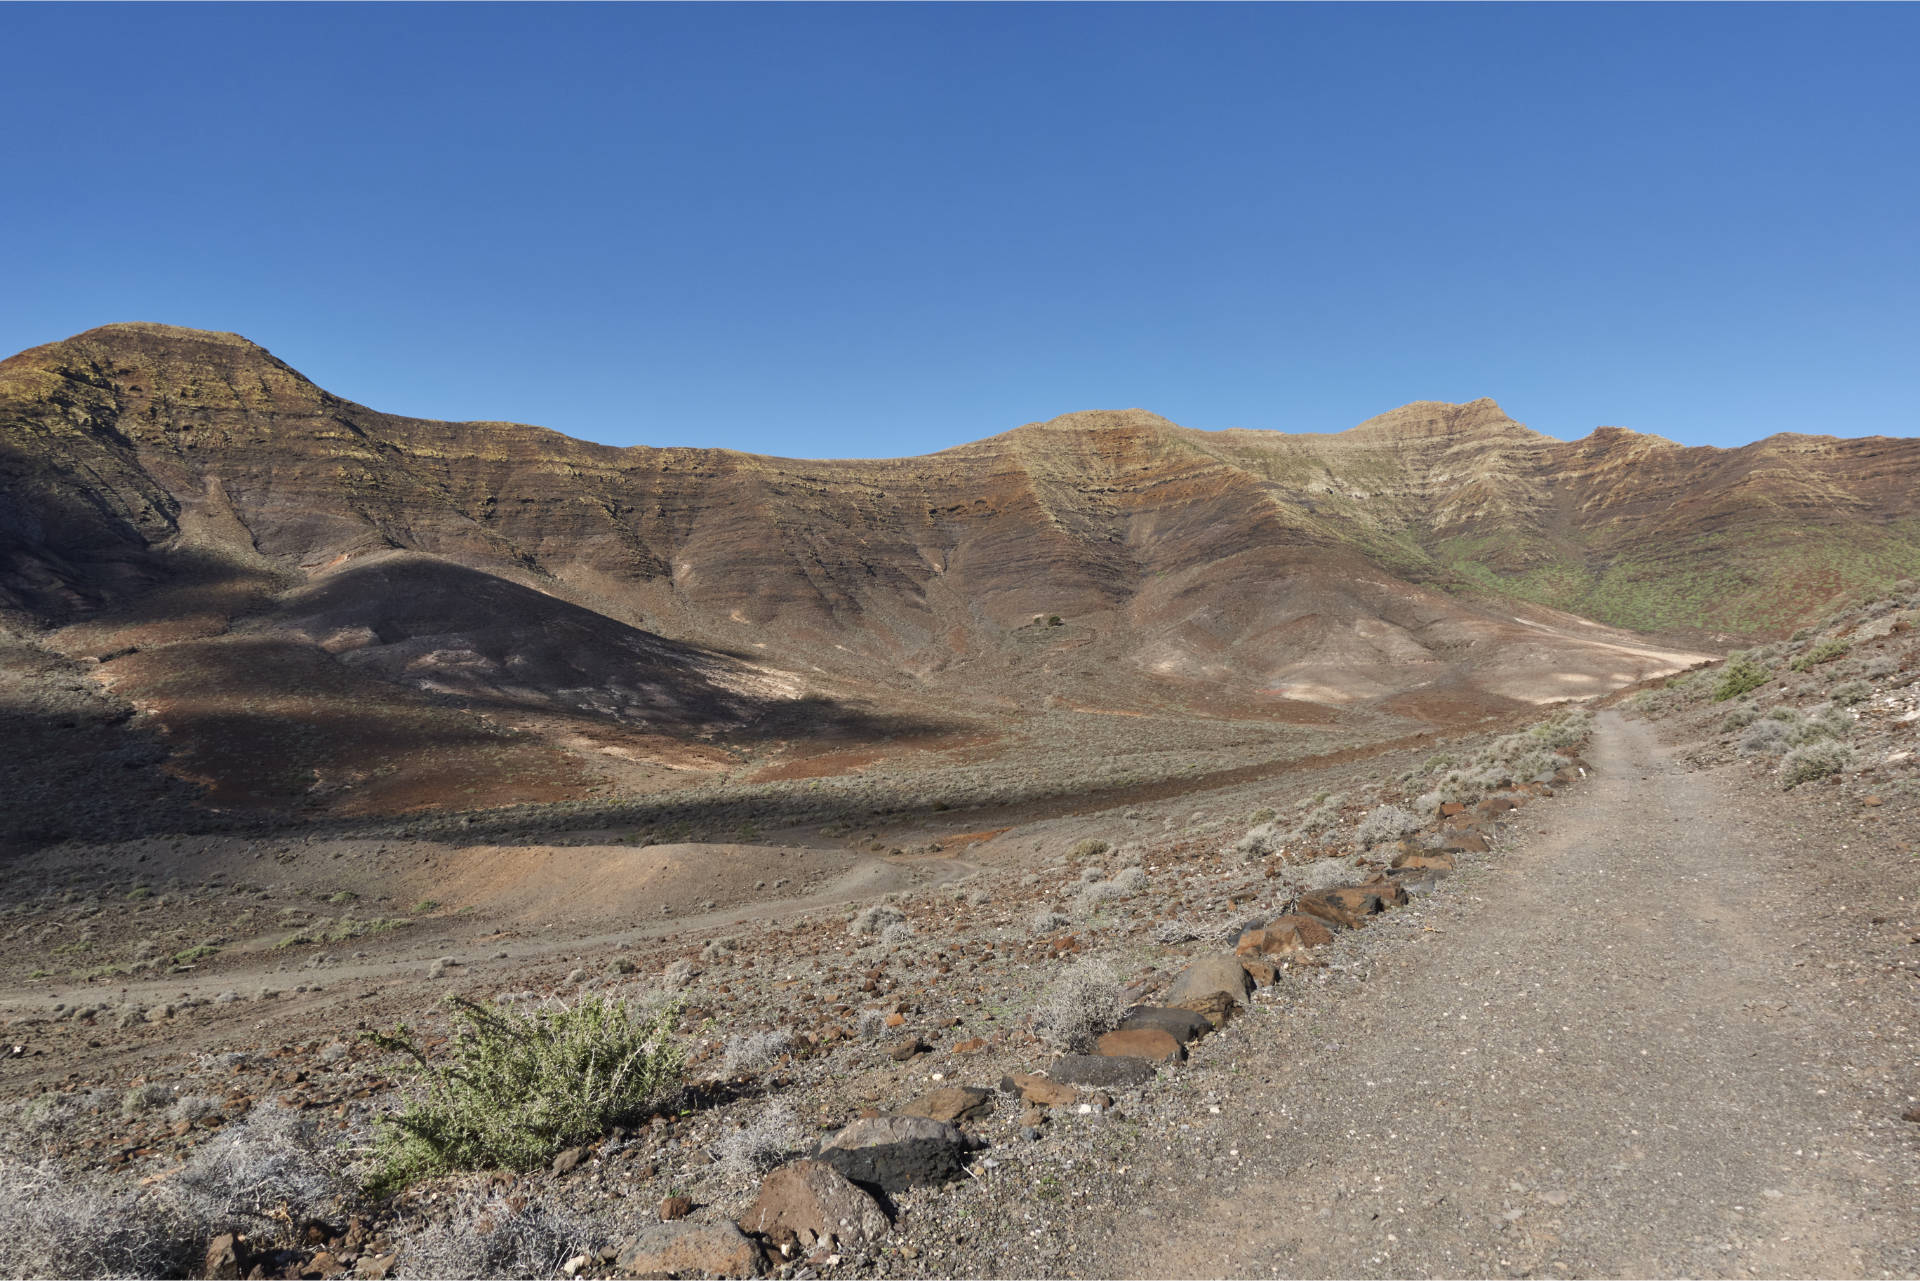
x=483 y=953
x=1599 y=1058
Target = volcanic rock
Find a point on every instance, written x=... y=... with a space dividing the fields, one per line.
x=894 y=1153
x=1183 y=1025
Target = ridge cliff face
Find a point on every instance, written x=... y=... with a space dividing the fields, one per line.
x=124 y=431
x=177 y=485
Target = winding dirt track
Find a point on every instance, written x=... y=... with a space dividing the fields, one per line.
x=1604 y=1060
x=349 y=983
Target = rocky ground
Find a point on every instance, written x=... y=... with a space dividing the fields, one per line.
x=1675 y=995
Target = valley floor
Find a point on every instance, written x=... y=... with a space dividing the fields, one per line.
x=1667 y=1026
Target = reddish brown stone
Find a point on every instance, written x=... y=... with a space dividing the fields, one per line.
x=953 y=1104
x=1346 y=906
x=1464 y=843
x=718 y=1249
x=1141 y=1043
x=225 y=1258
x=1039 y=1089
x=809 y=1202
x=1218 y=1008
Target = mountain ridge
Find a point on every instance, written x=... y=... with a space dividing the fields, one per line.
x=184 y=493
x=1478 y=471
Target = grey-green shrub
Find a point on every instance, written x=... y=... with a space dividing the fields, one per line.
x=1174 y=931
x=1770 y=735
x=1319 y=820
x=1824 y=721
x=55 y=1224
x=1257 y=842
x=1045 y=920
x=489 y=1234
x=1739 y=717
x=1513 y=758
x=1083 y=1002
x=270 y=1168
x=751 y=1051
x=875 y=920
x=1383 y=824
x=1093 y=895
x=516 y=1089
x=764 y=1141
x=1694 y=685
x=1814 y=760
x=1847 y=693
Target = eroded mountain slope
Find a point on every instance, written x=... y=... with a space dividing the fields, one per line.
x=188 y=494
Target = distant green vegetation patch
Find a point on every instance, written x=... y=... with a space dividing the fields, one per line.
x=1709 y=584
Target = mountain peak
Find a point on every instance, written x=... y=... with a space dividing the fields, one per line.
x=1103 y=420
x=1440 y=420
x=172 y=333
x=142 y=342
x=1622 y=437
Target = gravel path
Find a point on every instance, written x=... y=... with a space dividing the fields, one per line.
x=1600 y=1054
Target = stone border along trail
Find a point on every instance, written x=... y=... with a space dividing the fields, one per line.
x=1600 y=1059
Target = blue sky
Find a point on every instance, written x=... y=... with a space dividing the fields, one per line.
x=880 y=230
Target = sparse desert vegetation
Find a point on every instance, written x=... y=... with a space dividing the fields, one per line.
x=425 y=915
x=698 y=1062
x=1836 y=703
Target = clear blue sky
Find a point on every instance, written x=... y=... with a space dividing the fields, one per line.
x=877 y=229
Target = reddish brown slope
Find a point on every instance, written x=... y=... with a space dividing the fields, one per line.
x=181 y=486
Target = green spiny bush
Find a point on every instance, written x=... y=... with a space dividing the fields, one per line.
x=1565 y=728
x=520 y=1088
x=1825 y=652
x=1741 y=674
